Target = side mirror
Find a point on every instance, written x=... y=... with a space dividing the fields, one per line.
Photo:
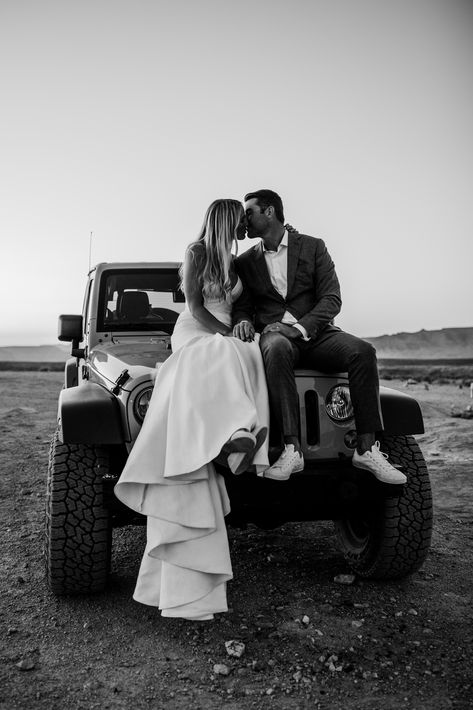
x=69 y=328
x=70 y=331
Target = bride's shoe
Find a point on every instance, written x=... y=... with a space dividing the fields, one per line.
x=239 y=462
x=260 y=433
x=240 y=440
x=240 y=444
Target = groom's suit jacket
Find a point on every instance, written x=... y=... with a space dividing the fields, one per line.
x=313 y=290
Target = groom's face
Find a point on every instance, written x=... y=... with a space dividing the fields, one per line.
x=256 y=218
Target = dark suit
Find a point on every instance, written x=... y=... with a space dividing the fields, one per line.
x=313 y=298
x=313 y=291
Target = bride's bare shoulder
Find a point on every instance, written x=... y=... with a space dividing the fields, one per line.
x=195 y=253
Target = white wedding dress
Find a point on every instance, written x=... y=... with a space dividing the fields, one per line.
x=207 y=389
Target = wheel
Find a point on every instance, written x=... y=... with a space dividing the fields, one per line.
x=78 y=529
x=395 y=539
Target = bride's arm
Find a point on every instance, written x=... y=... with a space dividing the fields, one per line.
x=192 y=283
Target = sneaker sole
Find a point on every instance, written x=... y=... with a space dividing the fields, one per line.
x=242 y=465
x=277 y=476
x=239 y=461
x=245 y=441
x=381 y=478
x=260 y=435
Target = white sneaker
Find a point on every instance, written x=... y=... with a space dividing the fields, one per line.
x=239 y=460
x=290 y=461
x=376 y=462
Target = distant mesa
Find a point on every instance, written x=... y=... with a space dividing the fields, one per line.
x=35 y=353
x=445 y=344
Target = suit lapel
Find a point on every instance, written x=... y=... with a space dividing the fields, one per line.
x=293 y=249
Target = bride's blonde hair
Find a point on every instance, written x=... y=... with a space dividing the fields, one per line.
x=217 y=234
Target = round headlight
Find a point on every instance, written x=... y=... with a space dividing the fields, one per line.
x=141 y=403
x=338 y=404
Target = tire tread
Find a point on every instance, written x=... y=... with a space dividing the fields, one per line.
x=78 y=533
x=400 y=534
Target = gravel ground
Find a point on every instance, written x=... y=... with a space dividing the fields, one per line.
x=308 y=641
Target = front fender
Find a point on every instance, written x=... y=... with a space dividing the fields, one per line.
x=89 y=414
x=71 y=373
x=401 y=412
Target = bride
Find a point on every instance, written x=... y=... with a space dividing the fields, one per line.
x=209 y=401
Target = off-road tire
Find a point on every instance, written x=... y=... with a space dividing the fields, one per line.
x=394 y=541
x=78 y=535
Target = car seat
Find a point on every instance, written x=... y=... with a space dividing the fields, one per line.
x=133 y=305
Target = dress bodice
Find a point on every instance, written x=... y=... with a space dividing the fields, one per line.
x=225 y=304
x=187 y=327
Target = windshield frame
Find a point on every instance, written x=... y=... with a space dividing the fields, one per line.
x=171 y=275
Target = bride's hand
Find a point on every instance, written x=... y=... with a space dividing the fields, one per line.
x=244 y=330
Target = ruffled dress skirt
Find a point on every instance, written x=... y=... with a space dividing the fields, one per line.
x=207 y=389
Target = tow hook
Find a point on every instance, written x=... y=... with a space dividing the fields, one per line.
x=120 y=381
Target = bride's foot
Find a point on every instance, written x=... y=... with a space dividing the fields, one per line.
x=240 y=440
x=239 y=462
x=239 y=444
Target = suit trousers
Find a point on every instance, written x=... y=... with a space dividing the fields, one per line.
x=332 y=351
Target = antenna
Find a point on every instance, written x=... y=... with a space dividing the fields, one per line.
x=90 y=250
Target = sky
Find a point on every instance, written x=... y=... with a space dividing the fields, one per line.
x=127 y=118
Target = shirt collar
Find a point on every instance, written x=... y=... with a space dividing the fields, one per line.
x=282 y=243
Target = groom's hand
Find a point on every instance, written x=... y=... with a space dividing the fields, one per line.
x=284 y=329
x=244 y=330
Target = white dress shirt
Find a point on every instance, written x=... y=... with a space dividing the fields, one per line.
x=276 y=261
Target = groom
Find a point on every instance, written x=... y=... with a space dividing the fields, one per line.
x=291 y=296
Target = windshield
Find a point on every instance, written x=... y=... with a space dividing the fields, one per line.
x=139 y=300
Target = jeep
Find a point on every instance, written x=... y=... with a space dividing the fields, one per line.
x=118 y=344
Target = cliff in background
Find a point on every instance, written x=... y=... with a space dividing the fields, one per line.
x=448 y=343
x=35 y=353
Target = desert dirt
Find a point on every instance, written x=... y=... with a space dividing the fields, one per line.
x=310 y=642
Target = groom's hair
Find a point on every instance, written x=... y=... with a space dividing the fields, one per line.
x=265 y=198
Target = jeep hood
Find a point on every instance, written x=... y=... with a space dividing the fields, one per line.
x=141 y=359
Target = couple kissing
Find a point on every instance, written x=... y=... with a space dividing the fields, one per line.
x=249 y=321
